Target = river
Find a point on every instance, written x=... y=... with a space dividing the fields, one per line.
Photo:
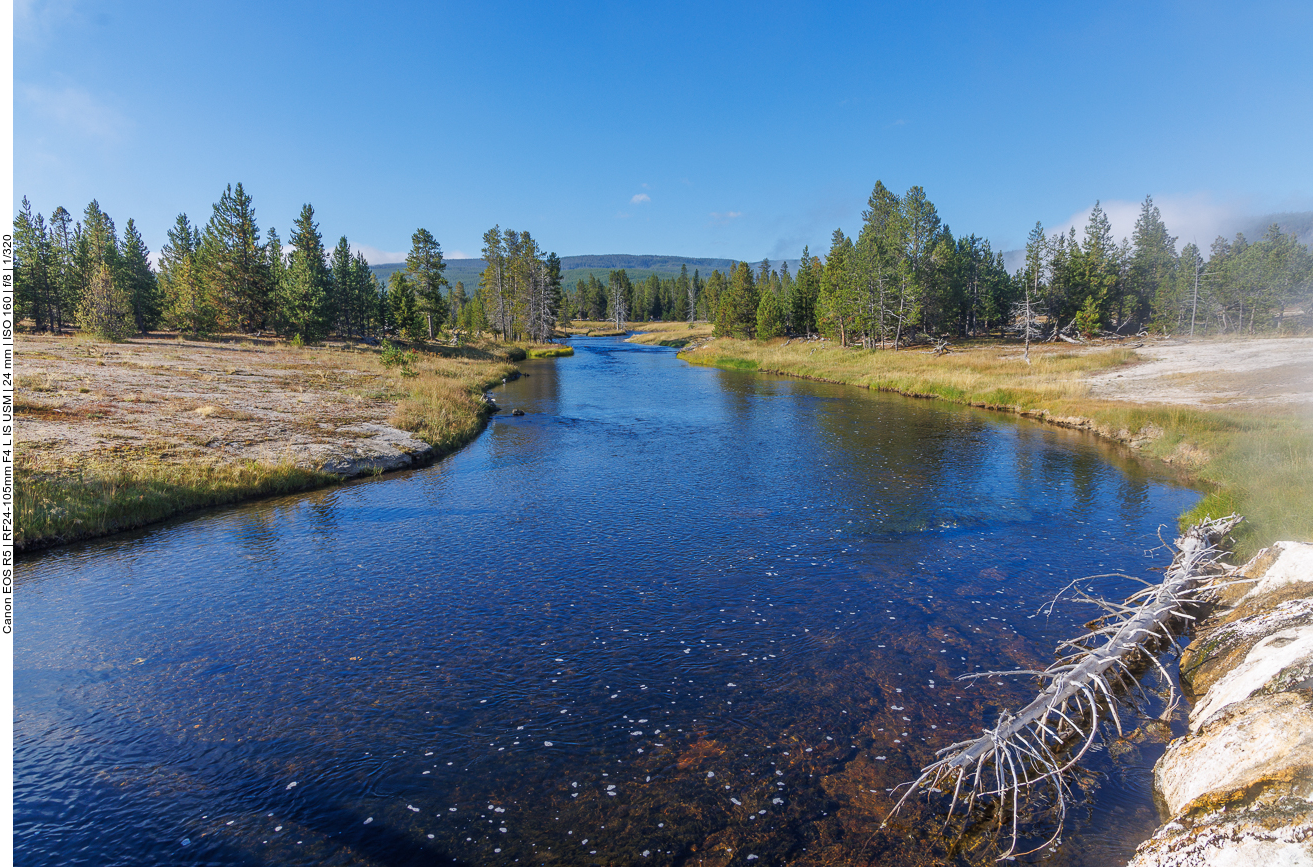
x=671 y=615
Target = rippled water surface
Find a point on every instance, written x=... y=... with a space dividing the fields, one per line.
x=671 y=615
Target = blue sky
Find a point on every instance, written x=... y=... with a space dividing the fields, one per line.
x=701 y=129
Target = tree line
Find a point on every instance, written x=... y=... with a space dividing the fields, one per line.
x=903 y=275
x=223 y=277
x=906 y=275
x=520 y=294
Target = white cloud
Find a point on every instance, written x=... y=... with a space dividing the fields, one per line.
x=37 y=20
x=457 y=254
x=375 y=256
x=726 y=216
x=76 y=109
x=1197 y=218
x=640 y=197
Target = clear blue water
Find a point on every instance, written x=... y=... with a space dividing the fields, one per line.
x=671 y=615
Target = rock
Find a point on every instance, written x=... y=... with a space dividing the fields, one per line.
x=1280 y=599
x=1239 y=786
x=1290 y=570
x=386 y=449
x=1250 y=752
x=1280 y=661
x=1277 y=834
x=517 y=412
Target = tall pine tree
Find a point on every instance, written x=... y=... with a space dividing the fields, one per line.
x=142 y=287
x=188 y=304
x=424 y=267
x=235 y=264
x=307 y=311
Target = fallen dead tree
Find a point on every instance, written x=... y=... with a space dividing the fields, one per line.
x=1038 y=744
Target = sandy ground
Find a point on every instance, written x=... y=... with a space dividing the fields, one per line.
x=1215 y=374
x=243 y=400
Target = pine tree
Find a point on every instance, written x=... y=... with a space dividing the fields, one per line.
x=347 y=292
x=276 y=262
x=473 y=317
x=736 y=314
x=878 y=254
x=921 y=231
x=189 y=305
x=685 y=296
x=307 y=313
x=35 y=288
x=712 y=290
x=403 y=308
x=770 y=316
x=63 y=244
x=235 y=264
x=94 y=246
x=424 y=266
x=106 y=308
x=493 y=282
x=619 y=298
x=1096 y=272
x=1037 y=269
x=803 y=294
x=366 y=293
x=556 y=309
x=142 y=287
x=836 y=302
x=458 y=299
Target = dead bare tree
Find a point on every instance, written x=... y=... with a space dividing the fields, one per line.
x=1038 y=744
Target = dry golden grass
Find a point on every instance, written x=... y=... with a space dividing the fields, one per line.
x=59 y=499
x=442 y=403
x=65 y=494
x=670 y=333
x=1255 y=462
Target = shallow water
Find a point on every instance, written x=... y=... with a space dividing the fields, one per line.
x=670 y=615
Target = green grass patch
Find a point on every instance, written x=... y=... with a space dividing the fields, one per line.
x=99 y=497
x=550 y=351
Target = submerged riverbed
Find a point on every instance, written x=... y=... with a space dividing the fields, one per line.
x=671 y=615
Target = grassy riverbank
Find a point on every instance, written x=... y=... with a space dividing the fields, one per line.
x=114 y=436
x=677 y=334
x=674 y=334
x=1255 y=461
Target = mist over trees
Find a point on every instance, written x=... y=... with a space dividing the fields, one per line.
x=906 y=274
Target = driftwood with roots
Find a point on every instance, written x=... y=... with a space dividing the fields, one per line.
x=1039 y=744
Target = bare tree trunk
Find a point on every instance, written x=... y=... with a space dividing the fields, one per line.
x=1026 y=749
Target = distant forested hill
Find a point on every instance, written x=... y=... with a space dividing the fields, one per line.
x=574 y=268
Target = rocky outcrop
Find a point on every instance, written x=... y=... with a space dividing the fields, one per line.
x=378 y=448
x=1238 y=788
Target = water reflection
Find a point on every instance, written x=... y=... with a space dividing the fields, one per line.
x=684 y=612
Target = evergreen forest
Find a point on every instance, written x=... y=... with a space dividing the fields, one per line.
x=903 y=276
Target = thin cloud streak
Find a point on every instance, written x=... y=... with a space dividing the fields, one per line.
x=375 y=256
x=75 y=109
